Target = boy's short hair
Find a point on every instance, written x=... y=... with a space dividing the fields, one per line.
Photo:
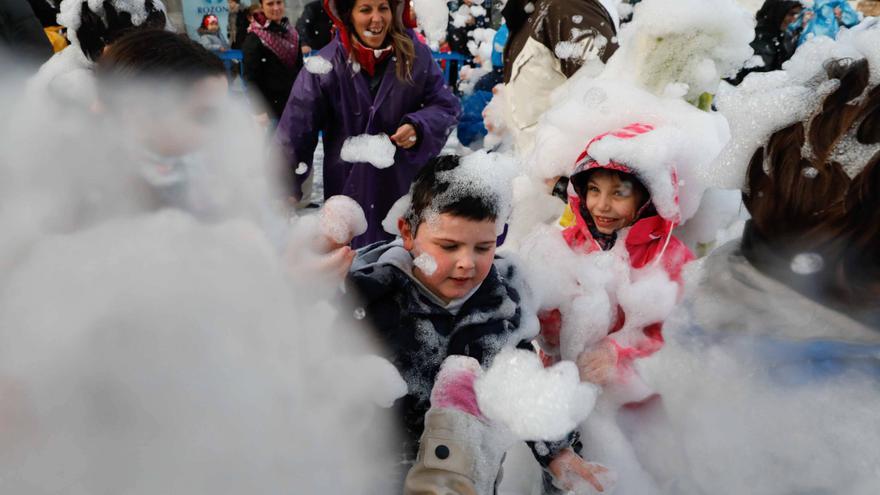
x=430 y=194
x=156 y=54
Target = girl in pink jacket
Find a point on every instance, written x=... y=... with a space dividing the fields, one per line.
x=626 y=202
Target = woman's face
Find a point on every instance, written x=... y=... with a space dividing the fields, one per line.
x=371 y=20
x=213 y=25
x=273 y=9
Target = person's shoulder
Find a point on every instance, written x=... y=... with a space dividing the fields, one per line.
x=314 y=7
x=251 y=42
x=422 y=50
x=373 y=281
x=505 y=277
x=333 y=51
x=593 y=12
x=506 y=266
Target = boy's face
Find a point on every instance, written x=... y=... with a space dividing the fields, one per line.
x=182 y=127
x=463 y=250
x=611 y=202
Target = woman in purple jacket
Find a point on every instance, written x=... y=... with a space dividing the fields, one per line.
x=379 y=80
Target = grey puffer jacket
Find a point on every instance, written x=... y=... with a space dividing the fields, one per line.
x=734 y=296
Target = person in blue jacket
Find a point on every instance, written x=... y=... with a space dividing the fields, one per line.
x=471 y=128
x=827 y=17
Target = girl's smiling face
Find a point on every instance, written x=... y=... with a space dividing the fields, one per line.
x=611 y=202
x=463 y=250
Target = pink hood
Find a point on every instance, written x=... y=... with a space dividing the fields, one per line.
x=650 y=238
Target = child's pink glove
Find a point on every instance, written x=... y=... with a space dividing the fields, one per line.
x=454 y=385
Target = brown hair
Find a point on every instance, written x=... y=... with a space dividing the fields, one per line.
x=801 y=198
x=404 y=50
x=253 y=9
x=156 y=54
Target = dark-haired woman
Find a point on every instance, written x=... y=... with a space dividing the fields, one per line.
x=773 y=42
x=272 y=60
x=785 y=322
x=375 y=79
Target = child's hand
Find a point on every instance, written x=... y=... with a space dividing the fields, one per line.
x=568 y=464
x=597 y=364
x=335 y=264
x=323 y=260
x=551 y=325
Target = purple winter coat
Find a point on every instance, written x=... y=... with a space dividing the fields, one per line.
x=340 y=104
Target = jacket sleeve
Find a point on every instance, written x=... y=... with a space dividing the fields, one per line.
x=252 y=72
x=437 y=117
x=20 y=30
x=302 y=27
x=299 y=126
x=210 y=42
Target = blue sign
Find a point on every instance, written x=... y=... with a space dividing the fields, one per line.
x=195 y=10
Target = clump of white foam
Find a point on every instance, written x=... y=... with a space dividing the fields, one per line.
x=461 y=16
x=469 y=76
x=318 y=65
x=682 y=147
x=807 y=263
x=483 y=175
x=301 y=168
x=377 y=150
x=342 y=219
x=531 y=206
x=533 y=402
x=426 y=263
x=582 y=50
x=374 y=378
x=494 y=117
x=690 y=42
x=768 y=102
x=433 y=16
x=70 y=13
x=398 y=210
x=480 y=46
x=719 y=211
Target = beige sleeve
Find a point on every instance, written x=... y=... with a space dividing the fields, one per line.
x=536 y=73
x=446 y=463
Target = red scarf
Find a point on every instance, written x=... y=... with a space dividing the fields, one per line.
x=369 y=58
x=278 y=37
